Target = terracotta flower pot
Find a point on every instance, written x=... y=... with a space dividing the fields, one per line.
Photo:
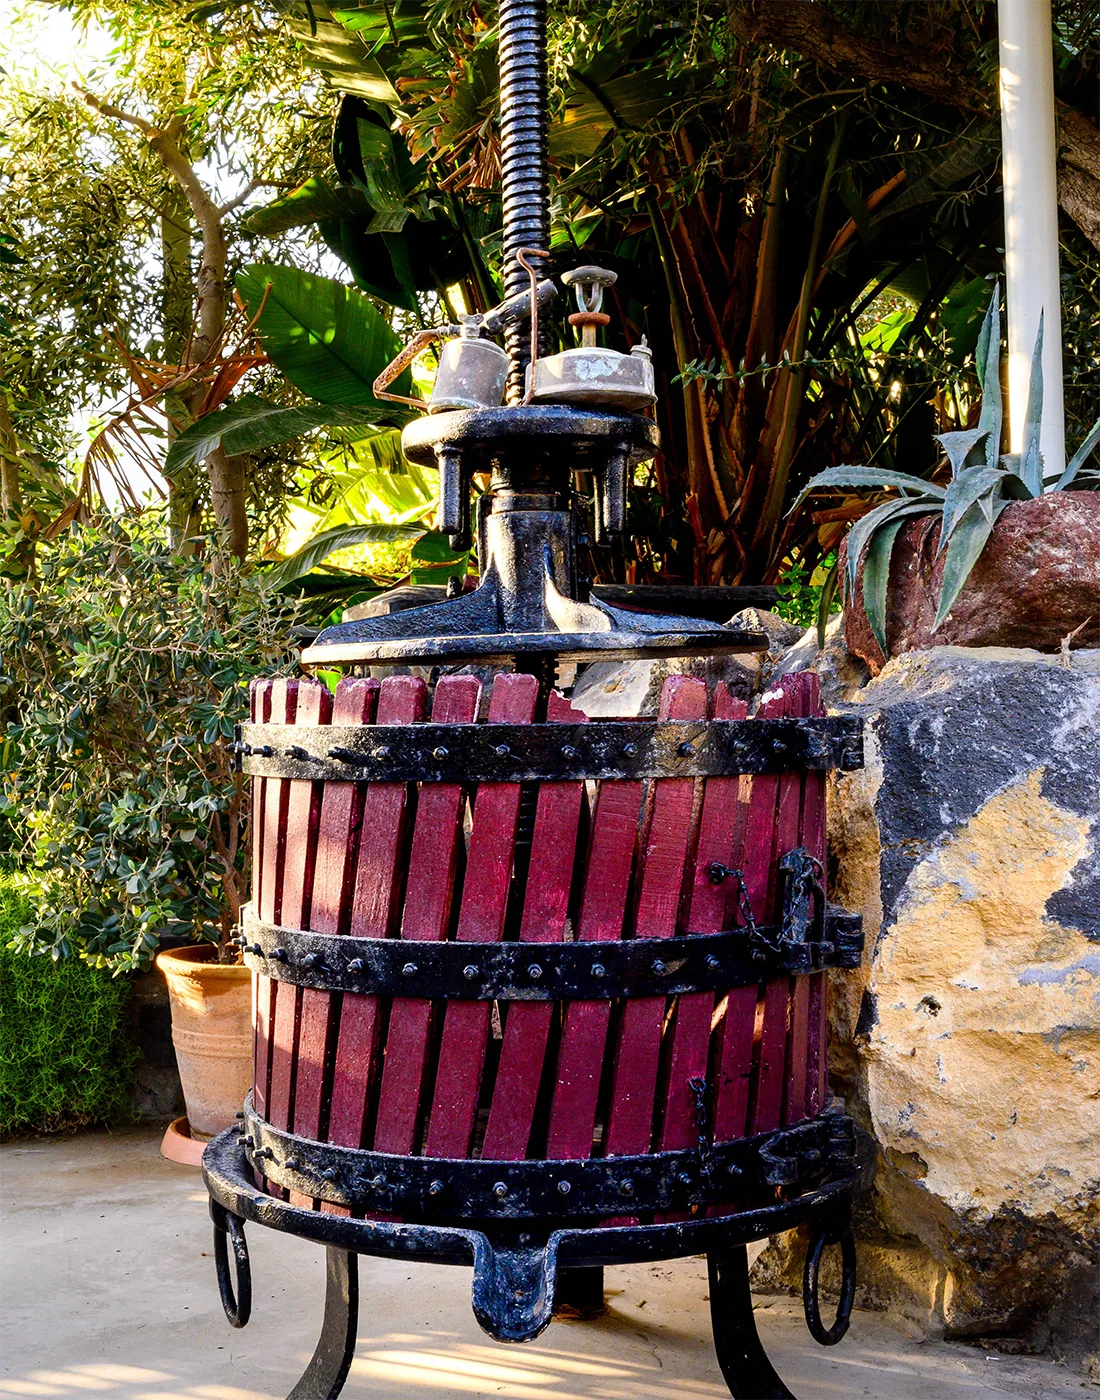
x=212 y=1035
x=1036 y=581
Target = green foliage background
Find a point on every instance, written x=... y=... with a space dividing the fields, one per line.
x=65 y=1056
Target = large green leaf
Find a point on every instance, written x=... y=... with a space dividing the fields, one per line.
x=877 y=477
x=876 y=576
x=309 y=204
x=329 y=541
x=967 y=542
x=252 y=424
x=987 y=362
x=1079 y=458
x=971 y=485
x=1031 y=468
x=327 y=338
x=340 y=55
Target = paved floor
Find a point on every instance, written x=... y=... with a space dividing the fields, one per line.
x=109 y=1294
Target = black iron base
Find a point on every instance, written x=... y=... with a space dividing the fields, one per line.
x=516 y=1268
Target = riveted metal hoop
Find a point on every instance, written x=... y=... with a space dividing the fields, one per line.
x=475 y=753
x=236 y=1302
x=442 y=1189
x=823 y=1235
x=512 y=971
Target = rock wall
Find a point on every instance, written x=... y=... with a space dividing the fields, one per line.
x=969 y=1045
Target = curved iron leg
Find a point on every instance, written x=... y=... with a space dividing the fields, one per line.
x=329 y=1366
x=744 y=1362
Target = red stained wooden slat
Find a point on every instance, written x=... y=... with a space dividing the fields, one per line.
x=263 y=988
x=481 y=920
x=602 y=911
x=546 y=905
x=668 y=839
x=303 y=819
x=731 y=1102
x=433 y=866
x=767 y=1111
x=813 y=838
x=284 y=699
x=689 y=1036
x=375 y=892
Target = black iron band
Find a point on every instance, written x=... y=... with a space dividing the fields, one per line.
x=513 y=971
x=433 y=1188
x=485 y=753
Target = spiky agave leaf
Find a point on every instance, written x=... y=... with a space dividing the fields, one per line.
x=1079 y=458
x=960 y=445
x=864 y=528
x=877 y=477
x=1031 y=463
x=876 y=576
x=967 y=542
x=974 y=485
x=987 y=362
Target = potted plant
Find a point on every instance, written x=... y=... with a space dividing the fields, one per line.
x=127 y=664
x=1000 y=554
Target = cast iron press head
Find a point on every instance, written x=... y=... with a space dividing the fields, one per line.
x=578 y=412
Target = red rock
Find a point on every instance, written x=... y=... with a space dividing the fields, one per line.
x=1037 y=580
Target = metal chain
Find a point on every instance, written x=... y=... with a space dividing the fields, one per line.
x=698 y=1087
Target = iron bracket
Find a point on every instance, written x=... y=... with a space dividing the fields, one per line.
x=512 y=753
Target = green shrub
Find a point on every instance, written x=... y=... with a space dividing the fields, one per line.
x=65 y=1056
x=125 y=667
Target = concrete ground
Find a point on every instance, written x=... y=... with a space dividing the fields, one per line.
x=109 y=1294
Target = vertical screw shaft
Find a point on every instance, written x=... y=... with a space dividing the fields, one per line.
x=526 y=199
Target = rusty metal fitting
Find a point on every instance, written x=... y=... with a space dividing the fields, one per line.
x=588 y=323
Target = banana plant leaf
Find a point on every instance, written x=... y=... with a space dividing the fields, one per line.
x=328 y=542
x=252 y=424
x=327 y=338
x=311 y=203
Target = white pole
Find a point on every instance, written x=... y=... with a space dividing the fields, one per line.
x=1029 y=157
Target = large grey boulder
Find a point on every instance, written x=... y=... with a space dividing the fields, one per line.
x=969 y=1045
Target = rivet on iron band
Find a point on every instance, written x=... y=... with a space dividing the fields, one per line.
x=296 y=751
x=409 y=970
x=292 y=1164
x=534 y=972
x=329 y=1174
x=626 y=1187
x=565 y=1187
x=439 y=754
x=686 y=750
x=239 y=1114
x=382 y=751
x=356 y=965
x=313 y=960
x=684 y=1178
x=500 y=1190
x=568 y=751
x=598 y=970
x=659 y=969
x=779 y=745
x=469 y=972
x=502 y=750
x=435 y=1188
x=266 y=751
x=279 y=954
x=630 y=750
x=256 y=950
x=377 y=1183
x=713 y=963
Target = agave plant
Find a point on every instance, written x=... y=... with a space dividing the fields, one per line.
x=982 y=483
